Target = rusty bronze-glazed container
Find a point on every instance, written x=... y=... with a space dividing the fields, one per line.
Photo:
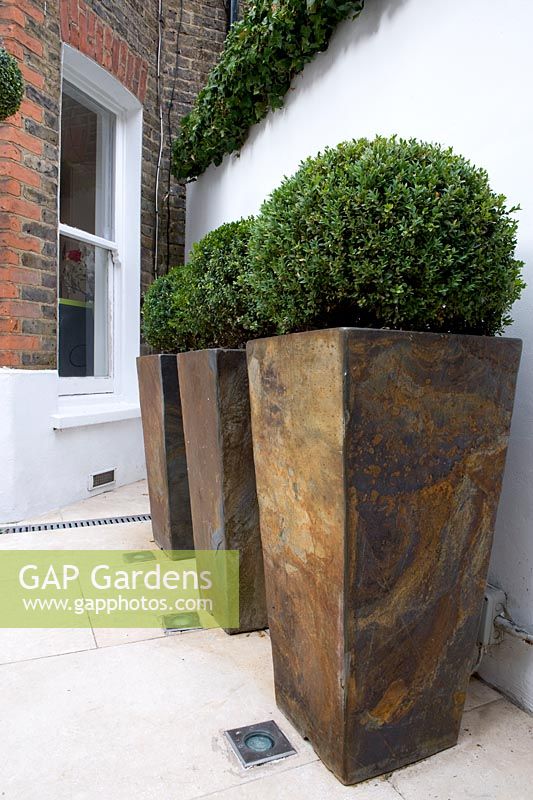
x=379 y=459
x=164 y=448
x=218 y=438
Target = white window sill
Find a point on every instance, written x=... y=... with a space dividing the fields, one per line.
x=79 y=416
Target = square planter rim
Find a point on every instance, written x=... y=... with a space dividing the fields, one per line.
x=392 y=331
x=212 y=350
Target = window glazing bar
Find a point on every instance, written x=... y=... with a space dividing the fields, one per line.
x=88 y=238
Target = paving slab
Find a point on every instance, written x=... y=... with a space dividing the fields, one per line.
x=143 y=720
x=110 y=637
x=309 y=782
x=479 y=694
x=130 y=499
x=23 y=644
x=492 y=761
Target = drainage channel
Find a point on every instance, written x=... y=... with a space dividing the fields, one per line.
x=81 y=523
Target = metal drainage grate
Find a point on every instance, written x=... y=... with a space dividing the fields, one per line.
x=259 y=744
x=81 y=523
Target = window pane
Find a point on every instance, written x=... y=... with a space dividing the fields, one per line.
x=86 y=186
x=84 y=309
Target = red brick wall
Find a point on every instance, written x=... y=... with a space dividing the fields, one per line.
x=28 y=166
x=122 y=37
x=83 y=29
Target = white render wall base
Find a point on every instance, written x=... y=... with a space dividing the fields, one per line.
x=44 y=468
x=457 y=73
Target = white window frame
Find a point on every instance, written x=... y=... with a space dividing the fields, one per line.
x=120 y=389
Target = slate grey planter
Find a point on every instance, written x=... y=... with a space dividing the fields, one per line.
x=164 y=447
x=216 y=421
x=379 y=460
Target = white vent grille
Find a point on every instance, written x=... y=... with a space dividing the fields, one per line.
x=102 y=479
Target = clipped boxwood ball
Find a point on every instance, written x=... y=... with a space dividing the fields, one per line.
x=11 y=85
x=159 y=323
x=388 y=234
x=204 y=303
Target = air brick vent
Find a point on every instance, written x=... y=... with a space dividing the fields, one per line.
x=100 y=479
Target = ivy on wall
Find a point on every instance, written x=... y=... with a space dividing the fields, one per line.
x=262 y=54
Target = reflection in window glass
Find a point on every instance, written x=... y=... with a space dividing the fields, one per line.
x=83 y=309
x=86 y=164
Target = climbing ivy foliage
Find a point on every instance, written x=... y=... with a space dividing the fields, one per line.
x=262 y=54
x=11 y=85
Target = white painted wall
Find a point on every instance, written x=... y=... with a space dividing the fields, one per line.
x=459 y=73
x=44 y=468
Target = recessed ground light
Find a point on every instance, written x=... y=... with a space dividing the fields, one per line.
x=259 y=744
x=186 y=621
x=141 y=555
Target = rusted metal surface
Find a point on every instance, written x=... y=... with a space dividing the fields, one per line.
x=164 y=446
x=216 y=418
x=379 y=458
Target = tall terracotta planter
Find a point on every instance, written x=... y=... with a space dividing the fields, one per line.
x=216 y=421
x=164 y=447
x=379 y=459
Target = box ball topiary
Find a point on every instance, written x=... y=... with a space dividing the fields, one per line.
x=203 y=303
x=11 y=85
x=386 y=233
x=158 y=314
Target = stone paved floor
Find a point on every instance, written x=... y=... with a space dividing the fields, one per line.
x=133 y=715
